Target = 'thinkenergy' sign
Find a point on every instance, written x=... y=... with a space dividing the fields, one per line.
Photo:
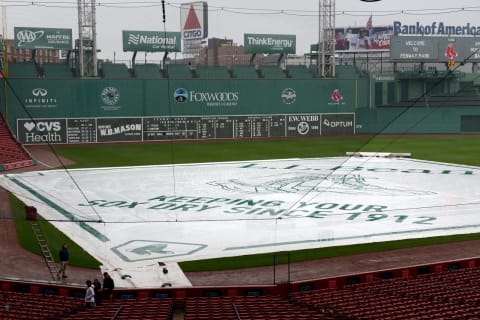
x=269 y=43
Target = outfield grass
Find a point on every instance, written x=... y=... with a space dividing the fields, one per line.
x=451 y=149
x=54 y=238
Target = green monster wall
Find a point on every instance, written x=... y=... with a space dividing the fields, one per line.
x=137 y=98
x=136 y=110
x=391 y=120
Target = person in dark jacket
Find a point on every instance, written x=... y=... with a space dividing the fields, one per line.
x=97 y=288
x=108 y=286
x=64 y=257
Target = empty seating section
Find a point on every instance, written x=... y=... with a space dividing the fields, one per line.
x=148 y=71
x=12 y=154
x=248 y=308
x=57 y=71
x=299 y=72
x=134 y=309
x=201 y=308
x=179 y=71
x=463 y=98
x=445 y=295
x=28 y=306
x=217 y=72
x=244 y=72
x=22 y=70
x=347 y=72
x=442 y=295
x=451 y=101
x=272 y=72
x=176 y=71
x=115 y=71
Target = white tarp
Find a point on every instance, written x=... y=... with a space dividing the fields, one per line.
x=132 y=218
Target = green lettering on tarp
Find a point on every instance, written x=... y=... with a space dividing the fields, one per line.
x=182 y=207
x=92 y=203
x=83 y=224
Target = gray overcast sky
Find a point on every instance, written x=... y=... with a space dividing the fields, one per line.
x=231 y=18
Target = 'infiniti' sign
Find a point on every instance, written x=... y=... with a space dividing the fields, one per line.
x=39 y=92
x=40 y=98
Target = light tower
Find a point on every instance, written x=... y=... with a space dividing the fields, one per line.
x=326 y=39
x=86 y=45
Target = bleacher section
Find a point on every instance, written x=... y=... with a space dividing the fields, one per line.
x=442 y=101
x=28 y=306
x=130 y=309
x=179 y=71
x=347 y=72
x=466 y=97
x=148 y=71
x=216 y=72
x=57 y=71
x=244 y=72
x=114 y=71
x=246 y=307
x=12 y=154
x=299 y=72
x=174 y=71
x=446 y=291
x=272 y=72
x=444 y=295
x=22 y=70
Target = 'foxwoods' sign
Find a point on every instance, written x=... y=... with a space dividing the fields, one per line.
x=435 y=28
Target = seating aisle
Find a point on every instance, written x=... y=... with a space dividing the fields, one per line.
x=12 y=153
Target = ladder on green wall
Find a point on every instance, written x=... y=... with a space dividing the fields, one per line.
x=46 y=253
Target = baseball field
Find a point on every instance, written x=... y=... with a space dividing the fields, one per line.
x=455 y=149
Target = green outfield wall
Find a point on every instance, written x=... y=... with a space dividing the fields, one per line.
x=104 y=110
x=119 y=98
x=392 y=120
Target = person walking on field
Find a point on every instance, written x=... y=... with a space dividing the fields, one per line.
x=64 y=256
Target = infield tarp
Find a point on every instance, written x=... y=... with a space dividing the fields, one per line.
x=133 y=219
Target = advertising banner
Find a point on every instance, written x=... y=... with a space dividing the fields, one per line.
x=117 y=98
x=92 y=130
x=414 y=48
x=337 y=124
x=459 y=49
x=269 y=43
x=42 y=131
x=435 y=28
x=151 y=41
x=303 y=125
x=194 y=20
x=119 y=129
x=43 y=38
x=363 y=39
x=435 y=49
